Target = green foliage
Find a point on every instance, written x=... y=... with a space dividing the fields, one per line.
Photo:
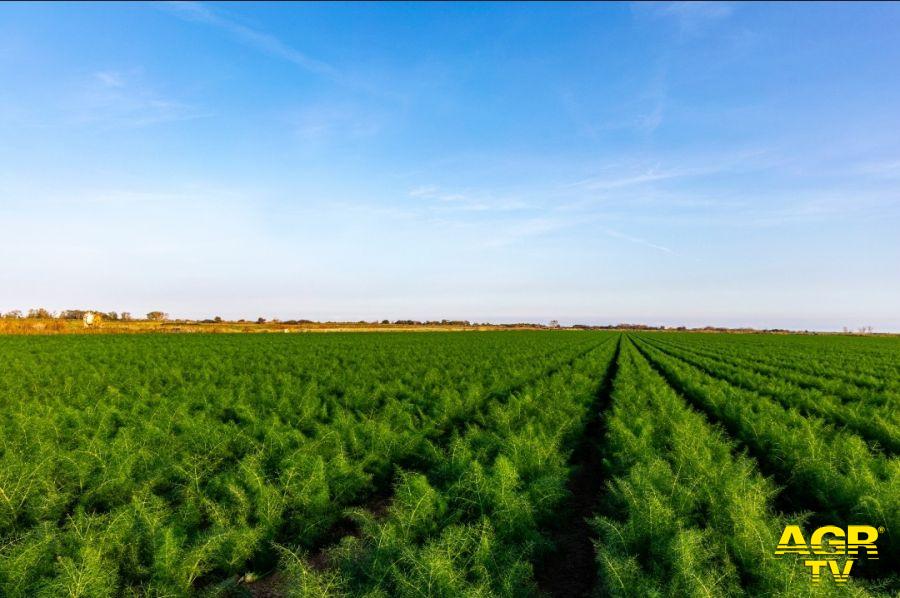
x=874 y=416
x=392 y=465
x=169 y=465
x=685 y=514
x=471 y=525
x=825 y=469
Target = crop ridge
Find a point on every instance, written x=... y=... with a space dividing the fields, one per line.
x=847 y=390
x=879 y=440
x=879 y=379
x=520 y=464
x=376 y=503
x=460 y=423
x=792 y=497
x=378 y=500
x=786 y=501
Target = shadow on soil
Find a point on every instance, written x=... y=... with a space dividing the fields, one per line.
x=570 y=570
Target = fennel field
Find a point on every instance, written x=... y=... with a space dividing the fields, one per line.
x=515 y=463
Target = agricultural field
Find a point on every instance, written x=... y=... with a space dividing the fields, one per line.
x=514 y=463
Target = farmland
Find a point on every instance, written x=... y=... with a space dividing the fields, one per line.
x=510 y=463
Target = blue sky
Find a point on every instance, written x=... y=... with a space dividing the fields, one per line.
x=664 y=163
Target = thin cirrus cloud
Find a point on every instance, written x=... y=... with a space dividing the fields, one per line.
x=324 y=122
x=643 y=113
x=638 y=240
x=507 y=233
x=696 y=10
x=259 y=40
x=887 y=169
x=691 y=17
x=509 y=227
x=125 y=99
x=667 y=168
x=467 y=201
x=271 y=45
x=435 y=192
x=640 y=178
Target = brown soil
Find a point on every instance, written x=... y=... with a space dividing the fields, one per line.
x=378 y=506
x=271 y=586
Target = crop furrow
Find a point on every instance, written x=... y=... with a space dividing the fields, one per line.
x=569 y=569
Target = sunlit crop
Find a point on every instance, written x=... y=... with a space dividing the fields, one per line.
x=439 y=464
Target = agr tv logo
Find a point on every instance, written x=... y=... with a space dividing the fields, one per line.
x=830 y=542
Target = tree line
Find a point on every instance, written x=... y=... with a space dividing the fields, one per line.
x=41 y=313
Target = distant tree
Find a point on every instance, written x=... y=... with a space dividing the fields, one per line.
x=554 y=323
x=385 y=321
x=39 y=312
x=111 y=315
x=157 y=316
x=126 y=316
x=14 y=314
x=260 y=320
x=217 y=319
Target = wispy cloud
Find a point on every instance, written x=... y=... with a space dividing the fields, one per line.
x=110 y=79
x=435 y=192
x=254 y=38
x=510 y=233
x=653 y=119
x=125 y=99
x=817 y=207
x=636 y=174
x=332 y=121
x=696 y=10
x=642 y=111
x=638 y=240
x=886 y=169
x=632 y=180
x=466 y=200
x=272 y=45
x=653 y=101
x=691 y=17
